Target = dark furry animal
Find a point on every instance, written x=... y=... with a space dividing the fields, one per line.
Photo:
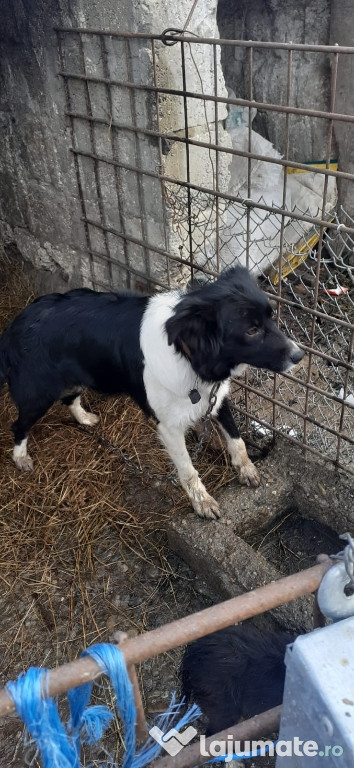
x=237 y=672
x=165 y=351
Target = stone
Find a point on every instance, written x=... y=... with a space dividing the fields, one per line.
x=221 y=556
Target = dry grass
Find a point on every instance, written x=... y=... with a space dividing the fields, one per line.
x=78 y=532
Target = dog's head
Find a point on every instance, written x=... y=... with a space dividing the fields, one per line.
x=228 y=323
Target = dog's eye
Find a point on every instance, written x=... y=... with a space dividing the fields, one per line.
x=252 y=331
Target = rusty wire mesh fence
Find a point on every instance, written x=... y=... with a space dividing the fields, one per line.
x=175 y=184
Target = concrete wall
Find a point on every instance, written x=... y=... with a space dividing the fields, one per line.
x=40 y=208
x=306 y=21
x=342 y=32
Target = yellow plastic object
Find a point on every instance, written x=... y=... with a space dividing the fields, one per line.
x=290 y=261
x=333 y=166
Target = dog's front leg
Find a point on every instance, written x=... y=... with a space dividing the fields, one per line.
x=247 y=471
x=174 y=442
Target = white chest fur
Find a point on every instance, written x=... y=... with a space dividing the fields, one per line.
x=169 y=377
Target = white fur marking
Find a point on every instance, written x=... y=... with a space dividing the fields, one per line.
x=168 y=376
x=82 y=416
x=21 y=458
x=202 y=502
x=248 y=473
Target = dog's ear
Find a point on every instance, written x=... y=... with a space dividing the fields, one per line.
x=195 y=325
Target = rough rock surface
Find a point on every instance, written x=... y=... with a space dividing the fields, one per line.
x=279 y=21
x=218 y=552
x=40 y=205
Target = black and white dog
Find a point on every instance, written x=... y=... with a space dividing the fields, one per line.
x=165 y=351
x=236 y=672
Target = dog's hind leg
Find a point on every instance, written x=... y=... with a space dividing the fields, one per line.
x=73 y=401
x=248 y=473
x=174 y=442
x=28 y=413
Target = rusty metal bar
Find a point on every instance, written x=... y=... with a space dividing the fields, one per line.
x=310 y=311
x=211 y=40
x=186 y=133
x=126 y=267
x=141 y=729
x=249 y=189
x=170 y=179
x=150 y=644
x=95 y=163
x=135 y=240
x=302 y=416
x=318 y=390
x=137 y=154
x=282 y=225
x=229 y=150
x=249 y=154
x=293 y=440
x=250 y=730
x=160 y=168
x=216 y=119
x=261 y=105
x=76 y=159
x=141 y=725
x=115 y=155
x=345 y=390
x=319 y=249
x=208 y=190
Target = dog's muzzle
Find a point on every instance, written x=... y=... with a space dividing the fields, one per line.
x=295 y=355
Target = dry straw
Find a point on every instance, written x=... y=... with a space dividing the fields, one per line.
x=94 y=496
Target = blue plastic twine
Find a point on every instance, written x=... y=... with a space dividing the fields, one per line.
x=42 y=720
x=59 y=746
x=89 y=724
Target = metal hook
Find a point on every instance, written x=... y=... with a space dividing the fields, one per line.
x=172 y=33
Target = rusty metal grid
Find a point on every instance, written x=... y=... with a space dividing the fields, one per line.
x=121 y=161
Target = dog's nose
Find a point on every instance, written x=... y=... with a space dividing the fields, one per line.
x=296 y=354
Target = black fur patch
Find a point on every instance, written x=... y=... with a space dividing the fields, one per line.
x=237 y=672
x=73 y=340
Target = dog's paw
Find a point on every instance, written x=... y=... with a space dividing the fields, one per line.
x=204 y=504
x=207 y=508
x=248 y=474
x=24 y=463
x=89 y=419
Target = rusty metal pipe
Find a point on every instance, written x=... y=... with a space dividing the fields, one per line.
x=142 y=647
x=249 y=730
x=141 y=729
x=261 y=105
x=209 y=40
